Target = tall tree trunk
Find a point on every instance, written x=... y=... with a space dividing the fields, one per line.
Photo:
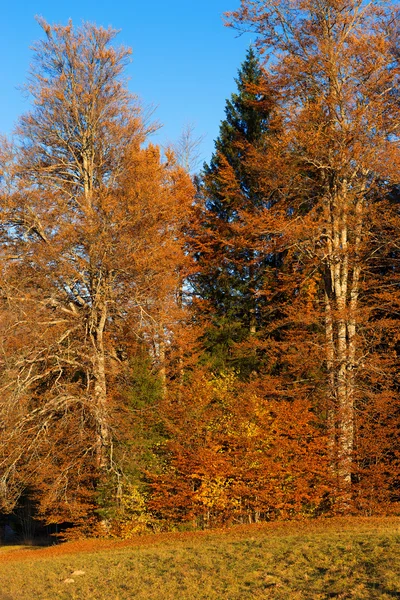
x=341 y=302
x=100 y=385
x=252 y=299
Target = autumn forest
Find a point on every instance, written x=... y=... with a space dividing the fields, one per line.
x=195 y=347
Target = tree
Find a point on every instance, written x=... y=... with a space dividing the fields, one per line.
x=93 y=221
x=238 y=453
x=229 y=271
x=187 y=148
x=334 y=163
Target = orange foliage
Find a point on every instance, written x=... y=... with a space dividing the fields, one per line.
x=239 y=454
x=92 y=255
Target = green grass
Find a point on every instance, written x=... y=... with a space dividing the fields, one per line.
x=334 y=559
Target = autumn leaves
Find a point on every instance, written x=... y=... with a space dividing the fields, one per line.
x=224 y=354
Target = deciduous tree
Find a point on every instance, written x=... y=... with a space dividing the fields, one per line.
x=334 y=68
x=93 y=221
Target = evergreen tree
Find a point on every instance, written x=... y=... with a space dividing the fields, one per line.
x=230 y=271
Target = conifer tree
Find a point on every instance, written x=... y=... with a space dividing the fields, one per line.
x=229 y=271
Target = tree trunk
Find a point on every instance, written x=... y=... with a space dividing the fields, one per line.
x=341 y=302
x=99 y=315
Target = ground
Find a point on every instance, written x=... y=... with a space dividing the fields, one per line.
x=301 y=560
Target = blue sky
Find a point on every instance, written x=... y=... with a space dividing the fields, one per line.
x=184 y=59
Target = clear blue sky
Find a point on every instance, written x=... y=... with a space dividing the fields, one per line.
x=184 y=59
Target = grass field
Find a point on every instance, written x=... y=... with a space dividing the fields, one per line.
x=336 y=558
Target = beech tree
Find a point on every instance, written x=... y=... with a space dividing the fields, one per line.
x=334 y=163
x=93 y=225
x=238 y=453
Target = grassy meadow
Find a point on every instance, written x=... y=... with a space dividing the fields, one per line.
x=336 y=558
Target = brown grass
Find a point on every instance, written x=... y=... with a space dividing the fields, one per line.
x=333 y=558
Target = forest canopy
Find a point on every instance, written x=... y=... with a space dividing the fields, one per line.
x=214 y=347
